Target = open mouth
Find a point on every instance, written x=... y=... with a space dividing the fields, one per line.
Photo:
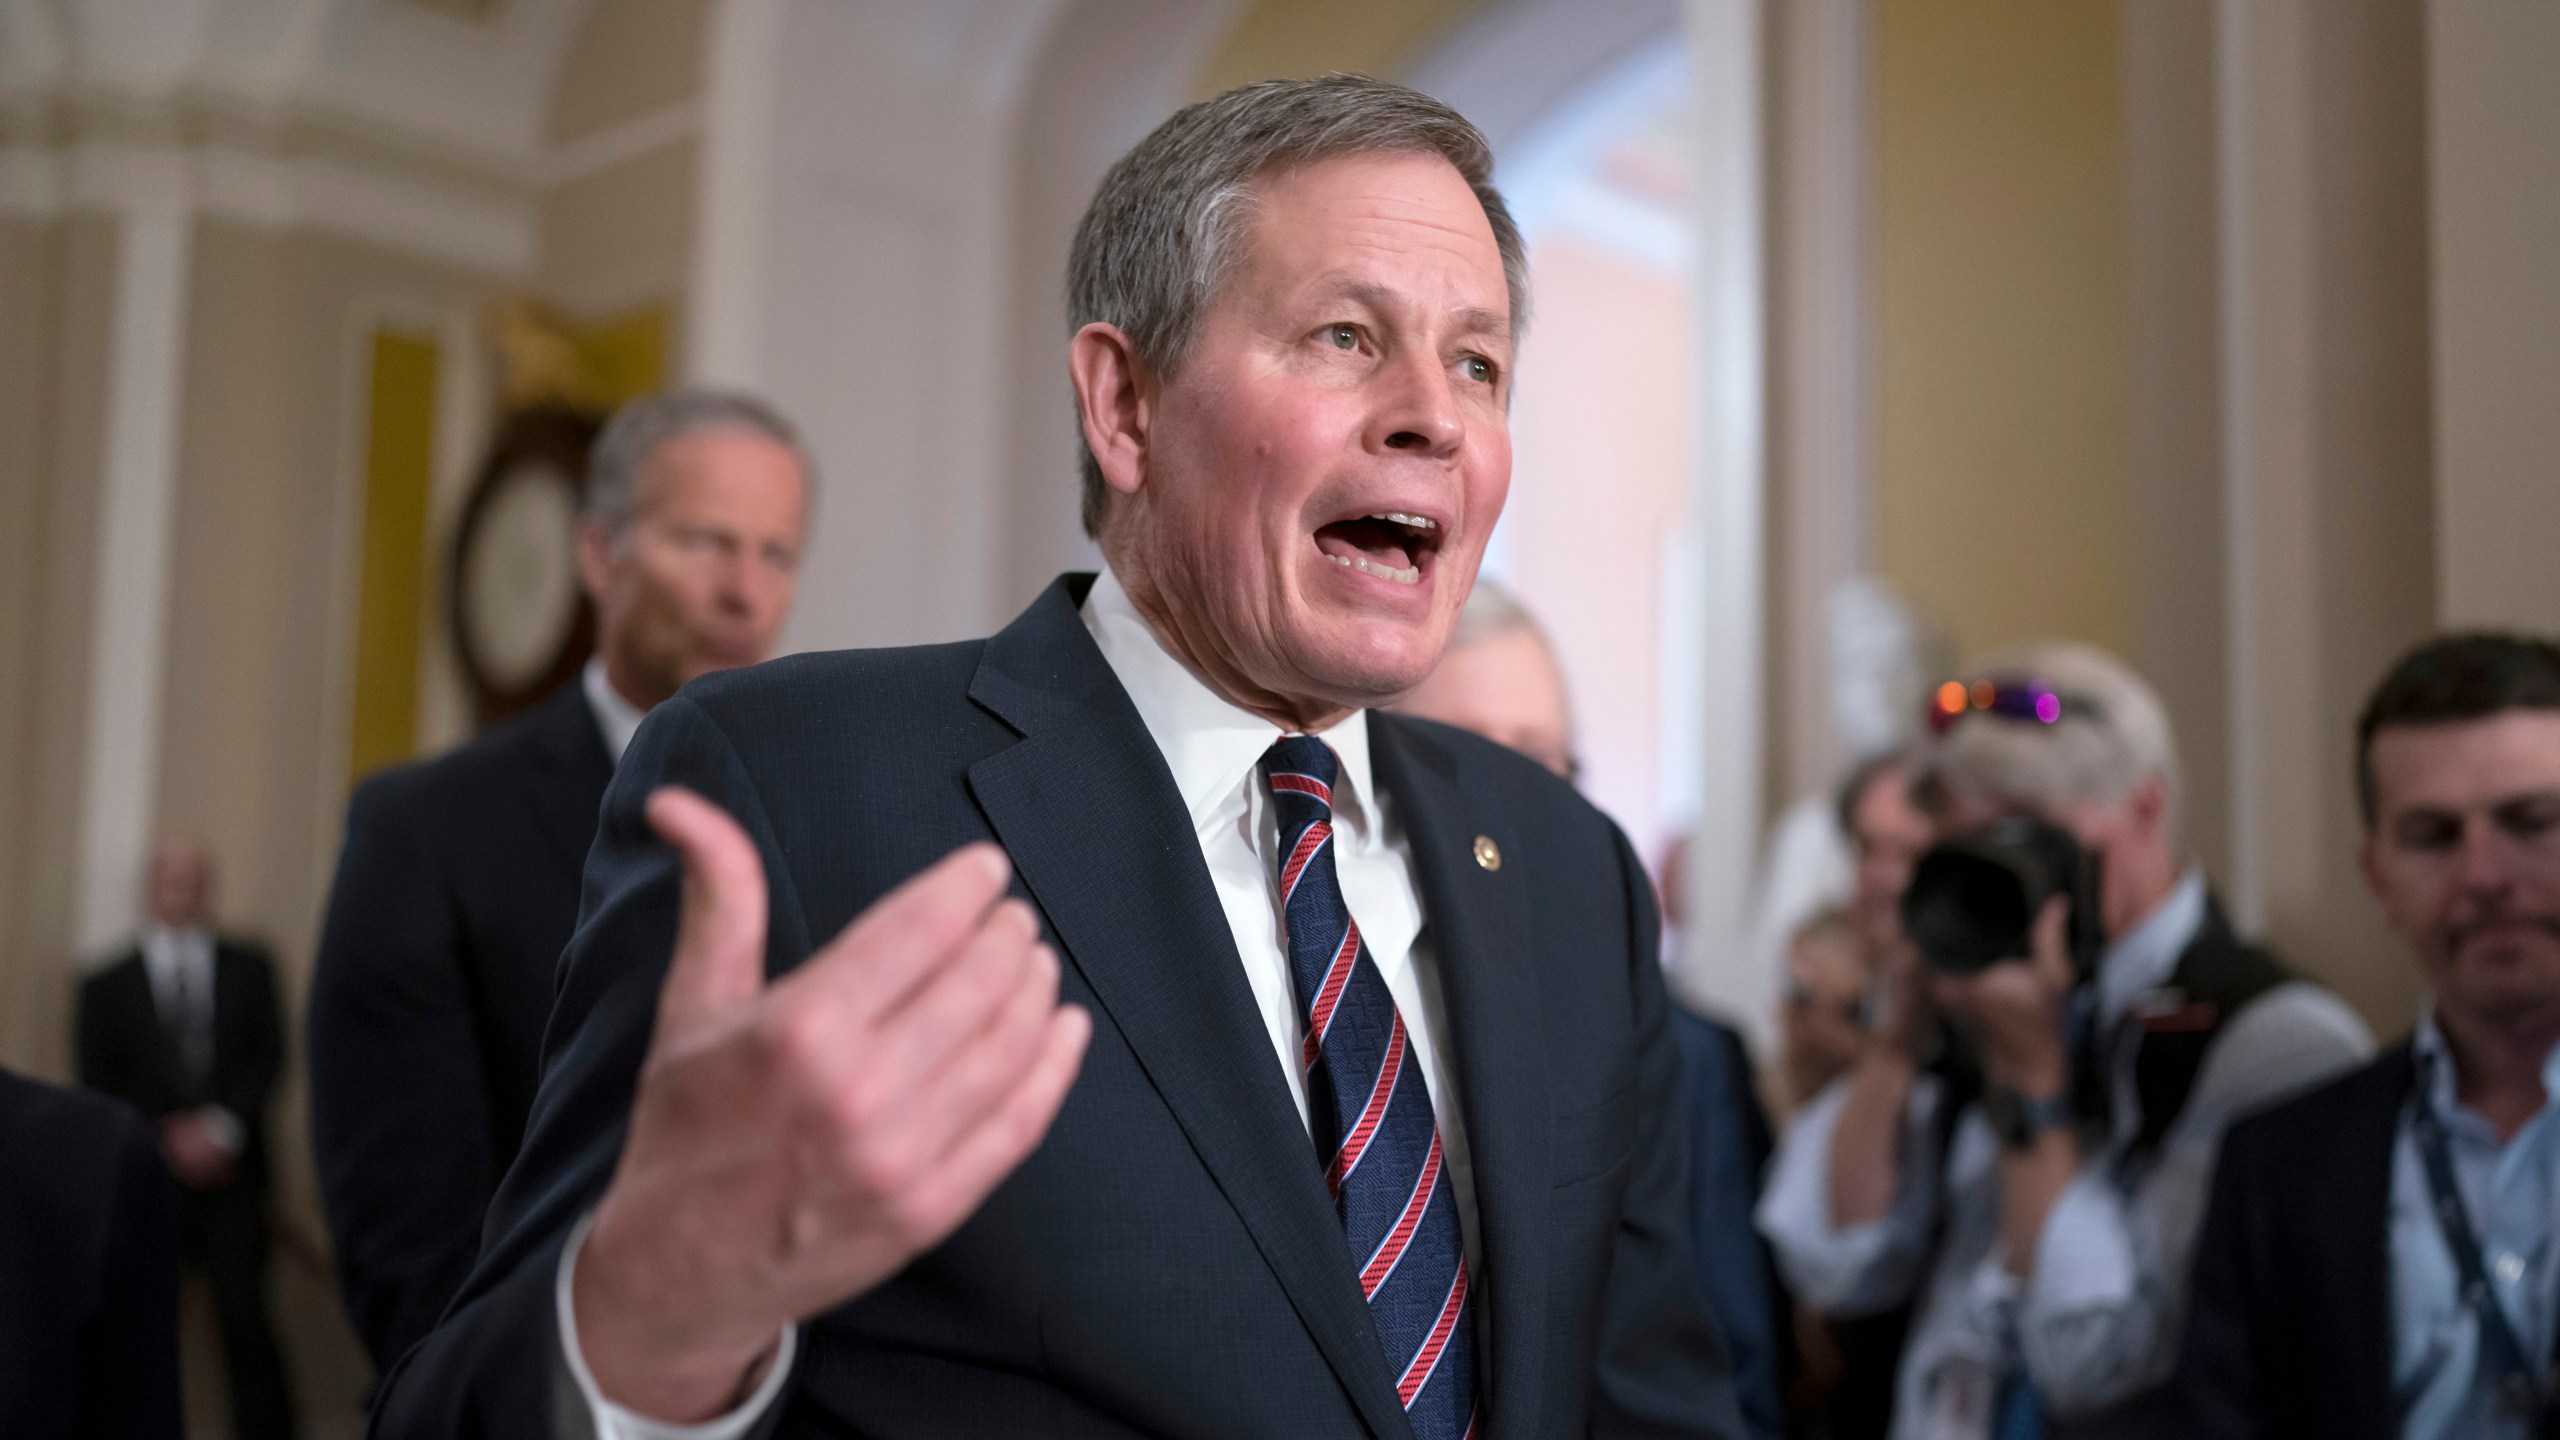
x=1394 y=546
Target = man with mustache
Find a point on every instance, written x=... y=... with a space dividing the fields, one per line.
x=1118 y=1026
x=2382 y=1257
x=458 y=886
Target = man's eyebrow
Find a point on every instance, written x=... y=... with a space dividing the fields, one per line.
x=1474 y=320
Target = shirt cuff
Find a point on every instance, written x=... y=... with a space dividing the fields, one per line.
x=2084 y=1259
x=611 y=1421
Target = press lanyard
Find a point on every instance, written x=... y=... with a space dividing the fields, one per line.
x=2525 y=1390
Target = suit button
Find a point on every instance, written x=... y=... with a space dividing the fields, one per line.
x=1488 y=854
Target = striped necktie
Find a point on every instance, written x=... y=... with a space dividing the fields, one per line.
x=1371 y=1114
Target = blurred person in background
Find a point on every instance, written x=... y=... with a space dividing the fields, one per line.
x=88 y=1270
x=2382 y=1257
x=458 y=885
x=185 y=1027
x=2045 y=1227
x=1500 y=679
x=1822 y=1014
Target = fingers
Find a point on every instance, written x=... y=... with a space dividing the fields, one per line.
x=987 y=1151
x=2051 y=941
x=1000 y=968
x=908 y=934
x=719 y=954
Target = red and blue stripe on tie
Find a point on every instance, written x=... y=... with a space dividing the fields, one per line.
x=1371 y=1113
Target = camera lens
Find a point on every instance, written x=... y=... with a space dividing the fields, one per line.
x=1973 y=899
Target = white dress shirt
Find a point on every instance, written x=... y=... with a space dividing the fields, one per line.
x=1214 y=749
x=618 y=719
x=179 y=964
x=2098 y=1317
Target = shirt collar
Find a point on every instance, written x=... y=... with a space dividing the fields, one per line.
x=1211 y=744
x=2145 y=957
x=2435 y=1064
x=616 y=717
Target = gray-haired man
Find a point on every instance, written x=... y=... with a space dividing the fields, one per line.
x=458 y=886
x=1315 y=1077
x=2043 y=1226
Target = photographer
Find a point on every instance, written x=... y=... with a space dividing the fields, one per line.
x=2042 y=1216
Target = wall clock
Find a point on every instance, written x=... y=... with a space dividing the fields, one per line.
x=521 y=622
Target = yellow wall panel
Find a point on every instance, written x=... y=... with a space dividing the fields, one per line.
x=2004 y=501
x=391 y=604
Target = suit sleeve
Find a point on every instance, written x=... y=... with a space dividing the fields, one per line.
x=128 y=1382
x=1664 y=1367
x=247 y=1082
x=399 y=1110
x=494 y=1365
x=2214 y=1392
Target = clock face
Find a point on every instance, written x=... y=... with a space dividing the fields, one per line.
x=518 y=590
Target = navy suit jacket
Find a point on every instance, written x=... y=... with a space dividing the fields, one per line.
x=1168 y=1261
x=2289 y=1335
x=88 y=1270
x=455 y=894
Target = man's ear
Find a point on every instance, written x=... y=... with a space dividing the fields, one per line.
x=2148 y=805
x=595 y=558
x=1115 y=402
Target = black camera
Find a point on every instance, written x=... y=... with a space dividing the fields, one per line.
x=1972 y=900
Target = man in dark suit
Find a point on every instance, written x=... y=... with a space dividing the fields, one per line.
x=88 y=1270
x=1316 y=1078
x=2381 y=1260
x=185 y=1028
x=458 y=886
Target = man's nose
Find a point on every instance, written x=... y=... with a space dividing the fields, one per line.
x=1419 y=415
x=2484 y=861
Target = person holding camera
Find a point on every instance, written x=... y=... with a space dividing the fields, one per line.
x=2024 y=1147
x=2381 y=1260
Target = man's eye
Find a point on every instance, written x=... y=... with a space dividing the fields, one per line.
x=1479 y=369
x=1343 y=337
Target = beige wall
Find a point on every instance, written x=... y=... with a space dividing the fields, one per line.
x=2493 y=115
x=1288 y=38
x=2002 y=493
x=56 y=293
x=622 y=235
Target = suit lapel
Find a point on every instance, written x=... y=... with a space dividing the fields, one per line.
x=1099 y=835
x=571 y=770
x=2362 y=1246
x=1478 y=923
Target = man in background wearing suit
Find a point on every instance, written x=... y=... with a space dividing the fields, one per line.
x=2382 y=1256
x=186 y=1029
x=1165 y=1143
x=1502 y=679
x=88 y=1269
x=458 y=886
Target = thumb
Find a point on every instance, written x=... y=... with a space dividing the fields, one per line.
x=2052 y=941
x=719 y=956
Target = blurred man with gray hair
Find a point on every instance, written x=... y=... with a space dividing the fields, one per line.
x=458 y=885
x=2045 y=1221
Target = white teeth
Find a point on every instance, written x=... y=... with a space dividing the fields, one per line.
x=1410 y=522
x=1409 y=575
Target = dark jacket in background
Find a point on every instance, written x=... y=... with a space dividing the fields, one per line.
x=88 y=1270
x=1168 y=1261
x=128 y=1052
x=2289 y=1335
x=455 y=893
x=1730 y=1145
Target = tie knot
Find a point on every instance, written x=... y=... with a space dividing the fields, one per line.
x=1301 y=765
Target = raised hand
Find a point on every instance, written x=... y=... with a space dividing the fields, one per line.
x=794 y=1145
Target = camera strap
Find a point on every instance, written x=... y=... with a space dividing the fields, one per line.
x=2525 y=1390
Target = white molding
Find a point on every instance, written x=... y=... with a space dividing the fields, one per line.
x=1730 y=461
x=724 y=303
x=137 y=505
x=620 y=144
x=479 y=228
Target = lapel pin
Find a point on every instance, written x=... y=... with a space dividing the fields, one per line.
x=1488 y=854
